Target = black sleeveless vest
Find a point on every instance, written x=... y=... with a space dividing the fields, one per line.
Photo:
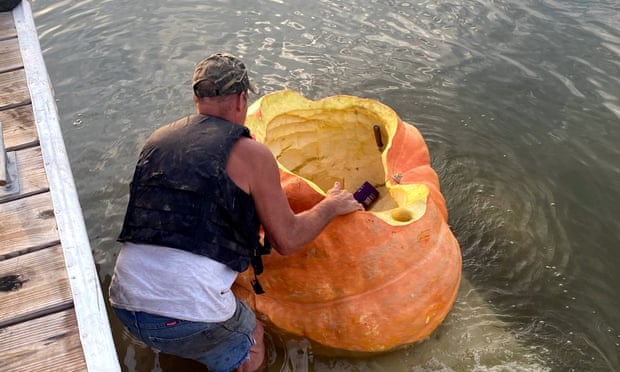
x=181 y=196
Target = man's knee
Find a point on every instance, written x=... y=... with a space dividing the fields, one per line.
x=256 y=359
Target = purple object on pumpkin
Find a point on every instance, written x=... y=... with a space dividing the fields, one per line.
x=366 y=195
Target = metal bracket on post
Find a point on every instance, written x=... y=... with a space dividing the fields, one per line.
x=9 y=182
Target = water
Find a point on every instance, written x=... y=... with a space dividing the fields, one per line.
x=519 y=102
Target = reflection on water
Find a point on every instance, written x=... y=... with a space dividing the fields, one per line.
x=519 y=104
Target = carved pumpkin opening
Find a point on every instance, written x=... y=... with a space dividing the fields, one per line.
x=314 y=145
x=341 y=141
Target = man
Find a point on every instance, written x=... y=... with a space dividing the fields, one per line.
x=200 y=191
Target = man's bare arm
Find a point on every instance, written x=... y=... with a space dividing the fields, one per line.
x=287 y=231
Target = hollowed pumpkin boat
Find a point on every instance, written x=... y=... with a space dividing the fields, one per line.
x=373 y=280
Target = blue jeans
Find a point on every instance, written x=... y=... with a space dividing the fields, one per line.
x=222 y=347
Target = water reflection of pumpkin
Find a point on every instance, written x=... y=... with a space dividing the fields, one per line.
x=373 y=280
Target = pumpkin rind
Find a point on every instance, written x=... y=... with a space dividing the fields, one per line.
x=373 y=280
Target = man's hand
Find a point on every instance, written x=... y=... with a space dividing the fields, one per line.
x=343 y=201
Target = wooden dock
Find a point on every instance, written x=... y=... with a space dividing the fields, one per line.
x=52 y=312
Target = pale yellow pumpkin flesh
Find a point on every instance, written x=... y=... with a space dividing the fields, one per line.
x=374 y=280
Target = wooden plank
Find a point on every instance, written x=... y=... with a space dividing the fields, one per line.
x=33 y=285
x=31 y=176
x=10 y=57
x=27 y=224
x=19 y=128
x=49 y=343
x=95 y=334
x=31 y=172
x=7 y=26
x=14 y=89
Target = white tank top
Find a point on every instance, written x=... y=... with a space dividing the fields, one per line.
x=173 y=283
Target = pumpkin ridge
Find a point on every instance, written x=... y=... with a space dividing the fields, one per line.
x=368 y=292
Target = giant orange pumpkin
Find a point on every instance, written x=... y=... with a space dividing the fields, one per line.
x=372 y=280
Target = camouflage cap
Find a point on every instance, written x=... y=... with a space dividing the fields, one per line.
x=219 y=75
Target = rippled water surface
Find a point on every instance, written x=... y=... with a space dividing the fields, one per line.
x=519 y=102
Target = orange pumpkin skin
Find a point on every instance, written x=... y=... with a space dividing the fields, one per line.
x=371 y=281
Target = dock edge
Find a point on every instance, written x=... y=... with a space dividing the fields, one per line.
x=90 y=308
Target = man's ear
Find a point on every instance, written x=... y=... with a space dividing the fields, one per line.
x=241 y=101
